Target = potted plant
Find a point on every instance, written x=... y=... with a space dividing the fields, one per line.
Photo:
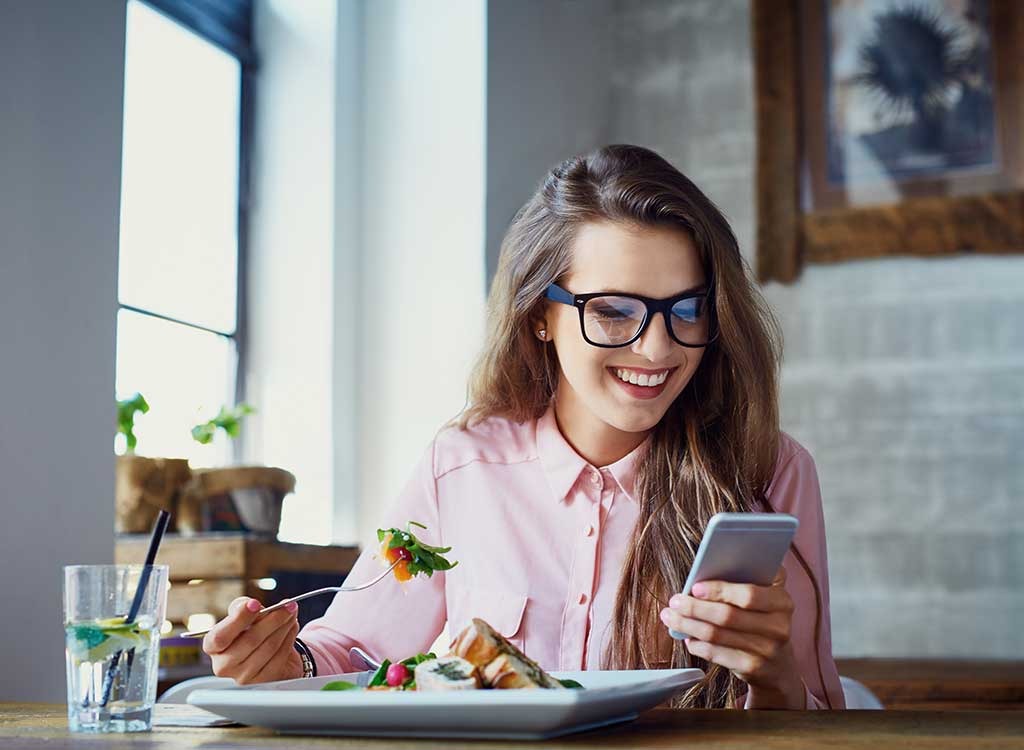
x=234 y=498
x=142 y=485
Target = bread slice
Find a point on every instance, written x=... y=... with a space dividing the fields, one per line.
x=503 y=665
x=447 y=673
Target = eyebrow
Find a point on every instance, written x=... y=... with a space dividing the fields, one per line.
x=699 y=288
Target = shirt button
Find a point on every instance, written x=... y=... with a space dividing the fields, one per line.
x=588 y=530
x=596 y=477
x=582 y=598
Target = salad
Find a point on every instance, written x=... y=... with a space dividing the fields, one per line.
x=413 y=556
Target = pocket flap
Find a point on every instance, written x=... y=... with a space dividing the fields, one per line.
x=502 y=610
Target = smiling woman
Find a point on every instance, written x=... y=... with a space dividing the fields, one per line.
x=626 y=392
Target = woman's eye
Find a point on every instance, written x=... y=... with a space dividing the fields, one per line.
x=608 y=313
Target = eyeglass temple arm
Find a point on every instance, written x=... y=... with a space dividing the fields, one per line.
x=558 y=294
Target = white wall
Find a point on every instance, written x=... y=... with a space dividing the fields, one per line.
x=291 y=258
x=367 y=260
x=422 y=260
x=61 y=87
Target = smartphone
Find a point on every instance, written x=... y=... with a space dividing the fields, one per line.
x=741 y=548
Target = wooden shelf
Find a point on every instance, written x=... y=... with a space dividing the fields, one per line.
x=208 y=571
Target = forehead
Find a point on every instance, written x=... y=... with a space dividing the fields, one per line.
x=649 y=261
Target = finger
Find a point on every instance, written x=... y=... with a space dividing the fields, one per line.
x=275 y=668
x=242 y=612
x=744 y=664
x=262 y=629
x=774 y=625
x=719 y=636
x=744 y=595
x=780 y=577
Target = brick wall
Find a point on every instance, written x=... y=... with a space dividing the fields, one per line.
x=903 y=377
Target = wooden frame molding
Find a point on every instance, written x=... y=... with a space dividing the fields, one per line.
x=788 y=237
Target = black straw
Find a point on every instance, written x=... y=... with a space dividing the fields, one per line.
x=140 y=592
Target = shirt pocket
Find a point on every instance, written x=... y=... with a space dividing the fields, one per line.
x=502 y=610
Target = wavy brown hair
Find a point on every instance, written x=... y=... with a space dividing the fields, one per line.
x=715 y=448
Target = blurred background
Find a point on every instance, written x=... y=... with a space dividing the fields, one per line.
x=299 y=204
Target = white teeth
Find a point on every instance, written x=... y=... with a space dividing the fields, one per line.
x=641 y=378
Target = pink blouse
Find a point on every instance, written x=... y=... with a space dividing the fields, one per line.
x=540 y=536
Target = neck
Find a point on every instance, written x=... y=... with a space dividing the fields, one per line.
x=596 y=441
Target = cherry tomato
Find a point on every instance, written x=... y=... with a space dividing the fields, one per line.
x=404 y=554
x=401 y=571
x=398 y=675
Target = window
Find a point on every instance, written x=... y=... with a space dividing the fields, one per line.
x=179 y=340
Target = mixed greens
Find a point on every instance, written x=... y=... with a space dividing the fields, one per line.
x=412 y=555
x=397 y=675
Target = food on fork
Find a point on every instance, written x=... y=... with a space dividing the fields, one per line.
x=412 y=555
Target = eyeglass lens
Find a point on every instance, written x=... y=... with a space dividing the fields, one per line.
x=613 y=320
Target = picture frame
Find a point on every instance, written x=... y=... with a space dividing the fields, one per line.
x=852 y=166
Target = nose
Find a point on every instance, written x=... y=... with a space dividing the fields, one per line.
x=655 y=344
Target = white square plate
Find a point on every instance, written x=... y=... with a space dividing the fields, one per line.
x=300 y=707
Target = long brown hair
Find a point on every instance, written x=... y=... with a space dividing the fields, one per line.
x=715 y=448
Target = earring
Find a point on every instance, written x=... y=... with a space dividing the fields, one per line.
x=542 y=334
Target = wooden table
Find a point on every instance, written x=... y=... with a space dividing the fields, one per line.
x=37 y=725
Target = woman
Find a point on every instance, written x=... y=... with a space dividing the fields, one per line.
x=627 y=392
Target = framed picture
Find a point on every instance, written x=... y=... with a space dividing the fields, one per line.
x=887 y=127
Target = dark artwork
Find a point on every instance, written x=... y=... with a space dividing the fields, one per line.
x=910 y=89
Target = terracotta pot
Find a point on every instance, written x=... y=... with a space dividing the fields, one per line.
x=142 y=487
x=238 y=498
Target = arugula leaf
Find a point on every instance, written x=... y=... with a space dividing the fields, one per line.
x=340 y=685
x=571 y=684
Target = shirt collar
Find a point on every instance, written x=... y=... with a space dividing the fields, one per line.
x=563 y=465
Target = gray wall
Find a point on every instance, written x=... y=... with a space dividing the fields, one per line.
x=61 y=81
x=903 y=377
x=548 y=81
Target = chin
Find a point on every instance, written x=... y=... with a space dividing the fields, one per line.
x=633 y=419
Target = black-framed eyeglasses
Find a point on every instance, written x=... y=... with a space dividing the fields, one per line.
x=611 y=320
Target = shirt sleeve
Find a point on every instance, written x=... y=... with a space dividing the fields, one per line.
x=795 y=490
x=390 y=619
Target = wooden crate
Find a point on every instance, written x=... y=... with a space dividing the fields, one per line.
x=208 y=571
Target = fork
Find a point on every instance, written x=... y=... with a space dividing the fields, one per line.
x=307 y=595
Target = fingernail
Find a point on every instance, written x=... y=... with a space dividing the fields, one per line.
x=675 y=601
x=699 y=590
x=253 y=605
x=291 y=607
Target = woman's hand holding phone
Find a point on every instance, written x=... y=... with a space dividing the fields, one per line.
x=746 y=629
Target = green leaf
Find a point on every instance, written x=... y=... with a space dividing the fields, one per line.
x=571 y=684
x=126 y=410
x=227 y=419
x=415 y=523
x=380 y=677
x=340 y=685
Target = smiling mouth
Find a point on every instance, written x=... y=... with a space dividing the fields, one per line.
x=645 y=378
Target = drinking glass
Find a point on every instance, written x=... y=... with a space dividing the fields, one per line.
x=112 y=663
